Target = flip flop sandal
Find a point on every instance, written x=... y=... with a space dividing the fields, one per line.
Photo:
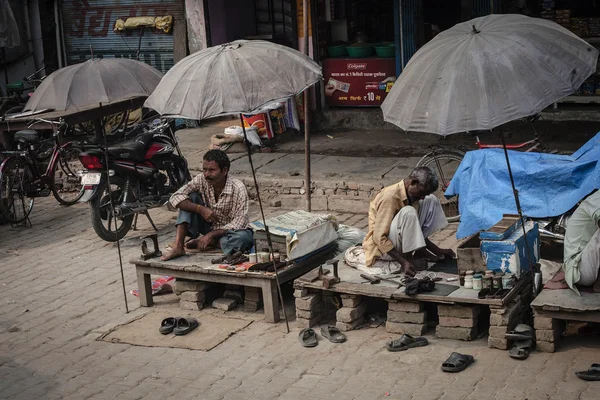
x=457 y=362
x=492 y=293
x=592 y=374
x=501 y=293
x=521 y=332
x=482 y=293
x=521 y=349
x=308 y=337
x=233 y=256
x=333 y=334
x=185 y=326
x=406 y=342
x=167 y=325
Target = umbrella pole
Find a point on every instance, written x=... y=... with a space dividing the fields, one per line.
x=519 y=211
x=305 y=22
x=112 y=210
x=262 y=213
x=4 y=61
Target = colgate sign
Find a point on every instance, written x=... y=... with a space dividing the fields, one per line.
x=357 y=66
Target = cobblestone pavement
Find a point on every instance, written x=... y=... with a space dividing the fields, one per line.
x=61 y=290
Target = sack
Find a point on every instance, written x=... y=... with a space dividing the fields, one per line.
x=220 y=140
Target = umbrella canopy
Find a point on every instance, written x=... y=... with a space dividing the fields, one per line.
x=233 y=78
x=9 y=31
x=94 y=81
x=486 y=72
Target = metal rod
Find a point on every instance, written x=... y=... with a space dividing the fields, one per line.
x=5 y=62
x=262 y=213
x=137 y=54
x=519 y=210
x=112 y=210
x=306 y=96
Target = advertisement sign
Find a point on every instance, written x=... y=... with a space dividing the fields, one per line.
x=358 y=81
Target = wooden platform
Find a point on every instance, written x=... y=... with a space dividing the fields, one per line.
x=351 y=284
x=198 y=267
x=565 y=304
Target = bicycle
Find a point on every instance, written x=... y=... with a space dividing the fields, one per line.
x=22 y=179
x=18 y=94
x=445 y=161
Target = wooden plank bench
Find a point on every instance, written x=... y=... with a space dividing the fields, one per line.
x=198 y=267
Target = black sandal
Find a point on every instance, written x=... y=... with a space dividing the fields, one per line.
x=185 y=326
x=592 y=374
x=333 y=334
x=457 y=362
x=308 y=337
x=521 y=349
x=406 y=342
x=167 y=325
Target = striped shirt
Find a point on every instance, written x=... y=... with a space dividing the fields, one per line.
x=231 y=209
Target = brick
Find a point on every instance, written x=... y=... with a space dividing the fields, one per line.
x=512 y=316
x=400 y=328
x=191 y=305
x=275 y=203
x=351 y=301
x=546 y=347
x=547 y=335
x=316 y=311
x=499 y=331
x=353 y=186
x=497 y=343
x=224 y=304
x=407 y=306
x=349 y=314
x=304 y=323
x=297 y=201
x=308 y=302
x=409 y=317
x=445 y=332
x=252 y=295
x=185 y=285
x=459 y=322
x=540 y=322
x=252 y=306
x=192 y=296
x=300 y=292
x=503 y=310
x=345 y=327
x=457 y=311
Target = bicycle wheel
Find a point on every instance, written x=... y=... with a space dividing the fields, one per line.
x=444 y=163
x=15 y=201
x=66 y=176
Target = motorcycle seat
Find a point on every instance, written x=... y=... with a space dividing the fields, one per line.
x=132 y=149
x=27 y=135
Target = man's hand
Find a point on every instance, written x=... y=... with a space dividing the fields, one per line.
x=408 y=269
x=207 y=214
x=204 y=242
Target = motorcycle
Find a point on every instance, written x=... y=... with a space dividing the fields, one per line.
x=143 y=173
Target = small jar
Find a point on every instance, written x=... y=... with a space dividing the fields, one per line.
x=253 y=258
x=276 y=256
x=477 y=282
x=264 y=256
x=461 y=278
x=468 y=281
x=497 y=282
x=487 y=282
x=507 y=281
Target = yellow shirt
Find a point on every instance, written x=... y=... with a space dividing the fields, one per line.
x=382 y=210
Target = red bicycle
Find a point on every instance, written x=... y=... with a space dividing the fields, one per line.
x=22 y=178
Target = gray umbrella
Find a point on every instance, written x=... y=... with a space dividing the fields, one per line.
x=488 y=71
x=233 y=78
x=94 y=81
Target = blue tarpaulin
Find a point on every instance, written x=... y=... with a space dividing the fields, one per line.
x=548 y=184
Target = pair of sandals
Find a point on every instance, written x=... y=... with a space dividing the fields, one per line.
x=308 y=337
x=524 y=338
x=178 y=325
x=455 y=363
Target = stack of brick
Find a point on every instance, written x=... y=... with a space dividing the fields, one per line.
x=192 y=294
x=406 y=317
x=309 y=308
x=457 y=322
x=503 y=320
x=547 y=332
x=234 y=292
x=352 y=313
x=252 y=299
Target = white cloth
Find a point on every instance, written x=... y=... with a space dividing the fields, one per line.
x=408 y=232
x=590 y=261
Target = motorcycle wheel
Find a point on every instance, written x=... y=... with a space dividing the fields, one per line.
x=106 y=226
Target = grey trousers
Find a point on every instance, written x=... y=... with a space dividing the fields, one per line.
x=232 y=241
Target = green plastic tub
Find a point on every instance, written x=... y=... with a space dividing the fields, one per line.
x=337 y=51
x=385 y=50
x=360 y=50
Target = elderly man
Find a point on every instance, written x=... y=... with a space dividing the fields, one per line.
x=212 y=205
x=401 y=218
x=582 y=245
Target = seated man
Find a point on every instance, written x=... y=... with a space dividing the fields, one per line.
x=213 y=205
x=401 y=218
x=582 y=245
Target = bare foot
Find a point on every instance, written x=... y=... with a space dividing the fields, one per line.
x=173 y=253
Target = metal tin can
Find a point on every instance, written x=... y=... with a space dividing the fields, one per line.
x=507 y=281
x=252 y=257
x=487 y=282
x=477 y=282
x=497 y=282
